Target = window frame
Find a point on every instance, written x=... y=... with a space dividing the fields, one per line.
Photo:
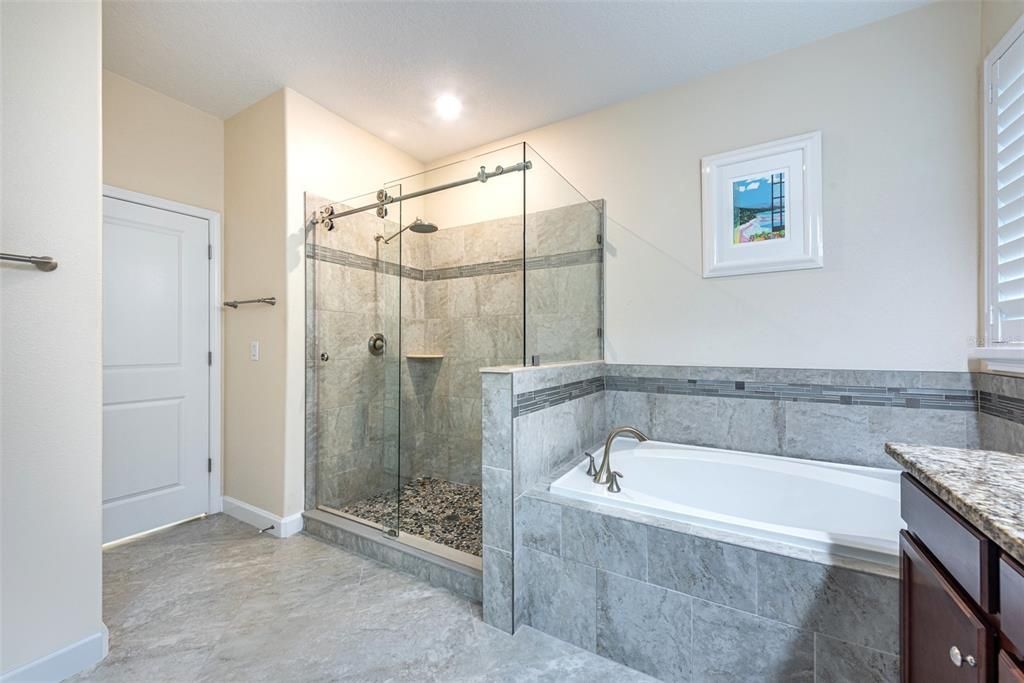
x=1005 y=356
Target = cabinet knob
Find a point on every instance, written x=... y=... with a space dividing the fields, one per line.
x=958 y=659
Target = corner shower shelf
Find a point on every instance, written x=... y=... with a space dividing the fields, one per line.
x=424 y=356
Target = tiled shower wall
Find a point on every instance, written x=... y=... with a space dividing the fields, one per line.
x=467 y=304
x=462 y=298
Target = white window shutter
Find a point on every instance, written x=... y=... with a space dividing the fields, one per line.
x=1006 y=239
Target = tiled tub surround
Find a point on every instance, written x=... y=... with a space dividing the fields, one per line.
x=537 y=420
x=679 y=605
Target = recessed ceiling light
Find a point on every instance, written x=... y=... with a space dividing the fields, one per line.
x=448 y=107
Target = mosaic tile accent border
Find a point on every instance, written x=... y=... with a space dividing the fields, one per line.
x=893 y=397
x=964 y=400
x=345 y=258
x=532 y=401
x=999 y=405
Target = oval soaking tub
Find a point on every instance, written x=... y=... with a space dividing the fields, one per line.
x=845 y=510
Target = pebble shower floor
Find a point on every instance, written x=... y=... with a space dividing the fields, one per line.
x=434 y=509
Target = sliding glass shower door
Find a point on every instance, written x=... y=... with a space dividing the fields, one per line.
x=355 y=314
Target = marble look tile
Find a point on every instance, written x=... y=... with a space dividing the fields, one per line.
x=855 y=607
x=998 y=434
x=500 y=294
x=947 y=380
x=534 y=378
x=735 y=647
x=793 y=375
x=538 y=524
x=556 y=596
x=686 y=419
x=497 y=508
x=752 y=425
x=839 y=662
x=605 y=542
x=497 y=585
x=830 y=432
x=918 y=425
x=644 y=627
x=718 y=572
x=496 y=412
x=632 y=408
x=876 y=378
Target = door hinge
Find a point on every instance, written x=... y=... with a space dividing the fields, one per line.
x=600 y=238
x=209 y=251
x=209 y=465
x=209 y=358
x=600 y=332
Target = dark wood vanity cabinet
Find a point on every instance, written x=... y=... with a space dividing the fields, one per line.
x=962 y=598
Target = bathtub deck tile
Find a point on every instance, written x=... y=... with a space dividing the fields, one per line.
x=556 y=596
x=605 y=542
x=497 y=508
x=858 y=608
x=707 y=569
x=730 y=645
x=644 y=627
x=539 y=524
x=497 y=588
x=839 y=662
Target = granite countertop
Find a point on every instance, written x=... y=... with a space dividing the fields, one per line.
x=985 y=487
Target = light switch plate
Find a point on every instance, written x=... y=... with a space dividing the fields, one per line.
x=254 y=350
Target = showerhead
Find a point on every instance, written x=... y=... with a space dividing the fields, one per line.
x=418 y=225
x=422 y=227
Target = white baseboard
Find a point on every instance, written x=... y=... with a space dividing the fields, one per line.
x=64 y=663
x=261 y=519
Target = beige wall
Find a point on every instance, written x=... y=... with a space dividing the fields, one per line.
x=328 y=157
x=50 y=365
x=254 y=266
x=897 y=104
x=274 y=152
x=159 y=146
x=997 y=17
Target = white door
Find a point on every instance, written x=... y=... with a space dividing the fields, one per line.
x=156 y=376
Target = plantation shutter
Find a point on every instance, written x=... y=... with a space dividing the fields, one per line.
x=1006 y=255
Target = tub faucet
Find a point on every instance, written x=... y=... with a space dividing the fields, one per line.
x=603 y=475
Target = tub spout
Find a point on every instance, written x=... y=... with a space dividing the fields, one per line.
x=603 y=475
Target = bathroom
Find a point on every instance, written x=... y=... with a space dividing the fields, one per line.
x=588 y=341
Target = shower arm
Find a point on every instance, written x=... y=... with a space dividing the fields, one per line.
x=387 y=240
x=328 y=214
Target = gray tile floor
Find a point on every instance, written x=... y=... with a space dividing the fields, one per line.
x=211 y=600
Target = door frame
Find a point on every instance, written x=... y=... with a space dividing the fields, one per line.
x=215 y=494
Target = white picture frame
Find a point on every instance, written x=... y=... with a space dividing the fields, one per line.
x=761 y=208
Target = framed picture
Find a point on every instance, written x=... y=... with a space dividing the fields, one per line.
x=761 y=207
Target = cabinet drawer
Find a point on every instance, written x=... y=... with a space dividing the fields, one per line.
x=943 y=636
x=968 y=556
x=1009 y=670
x=1011 y=605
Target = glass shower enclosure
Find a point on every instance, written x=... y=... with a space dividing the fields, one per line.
x=413 y=288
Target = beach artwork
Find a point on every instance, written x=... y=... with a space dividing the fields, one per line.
x=759 y=208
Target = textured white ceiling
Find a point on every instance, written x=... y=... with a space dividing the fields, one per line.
x=516 y=65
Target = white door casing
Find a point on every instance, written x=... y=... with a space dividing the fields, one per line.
x=156 y=372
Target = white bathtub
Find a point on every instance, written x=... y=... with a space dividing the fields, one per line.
x=843 y=510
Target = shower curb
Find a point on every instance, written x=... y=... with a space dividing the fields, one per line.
x=358 y=538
